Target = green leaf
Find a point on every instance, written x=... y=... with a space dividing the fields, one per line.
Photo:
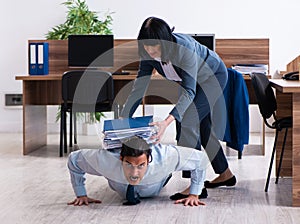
x=98 y=116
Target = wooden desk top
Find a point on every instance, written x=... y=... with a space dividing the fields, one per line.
x=58 y=77
x=38 y=77
x=49 y=77
x=286 y=86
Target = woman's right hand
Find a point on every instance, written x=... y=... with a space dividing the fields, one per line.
x=161 y=127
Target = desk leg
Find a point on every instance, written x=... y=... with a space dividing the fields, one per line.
x=34 y=127
x=296 y=150
x=284 y=109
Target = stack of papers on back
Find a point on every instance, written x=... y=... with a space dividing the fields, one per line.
x=119 y=129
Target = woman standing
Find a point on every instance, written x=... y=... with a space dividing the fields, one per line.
x=201 y=75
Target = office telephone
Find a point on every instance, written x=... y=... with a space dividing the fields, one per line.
x=291 y=76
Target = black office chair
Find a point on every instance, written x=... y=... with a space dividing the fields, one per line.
x=83 y=91
x=267 y=107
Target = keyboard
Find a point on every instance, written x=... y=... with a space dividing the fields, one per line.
x=121 y=73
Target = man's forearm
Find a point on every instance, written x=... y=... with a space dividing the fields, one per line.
x=77 y=175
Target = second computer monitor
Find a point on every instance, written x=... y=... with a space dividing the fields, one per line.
x=207 y=40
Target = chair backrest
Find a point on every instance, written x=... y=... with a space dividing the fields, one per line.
x=264 y=94
x=88 y=87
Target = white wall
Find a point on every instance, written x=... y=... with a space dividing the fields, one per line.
x=20 y=21
x=31 y=19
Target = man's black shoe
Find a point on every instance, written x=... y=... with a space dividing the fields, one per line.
x=179 y=196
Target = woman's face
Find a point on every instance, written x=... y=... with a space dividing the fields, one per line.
x=154 y=51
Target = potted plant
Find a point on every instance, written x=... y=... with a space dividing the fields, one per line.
x=81 y=20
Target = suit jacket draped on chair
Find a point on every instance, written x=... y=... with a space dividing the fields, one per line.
x=237 y=107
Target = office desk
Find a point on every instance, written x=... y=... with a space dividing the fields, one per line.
x=285 y=89
x=40 y=91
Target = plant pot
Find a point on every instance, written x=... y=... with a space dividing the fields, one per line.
x=92 y=129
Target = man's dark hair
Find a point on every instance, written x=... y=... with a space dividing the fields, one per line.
x=135 y=147
x=155 y=31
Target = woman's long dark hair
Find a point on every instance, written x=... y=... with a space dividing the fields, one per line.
x=155 y=31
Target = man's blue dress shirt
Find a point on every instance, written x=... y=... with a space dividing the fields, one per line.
x=166 y=160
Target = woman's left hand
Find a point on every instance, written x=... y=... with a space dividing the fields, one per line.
x=161 y=127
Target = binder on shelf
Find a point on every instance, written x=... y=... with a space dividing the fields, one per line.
x=32 y=65
x=38 y=58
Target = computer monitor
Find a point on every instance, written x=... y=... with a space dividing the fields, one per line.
x=84 y=49
x=207 y=40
